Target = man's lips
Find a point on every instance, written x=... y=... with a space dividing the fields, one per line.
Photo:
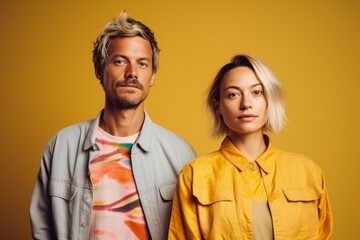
x=130 y=85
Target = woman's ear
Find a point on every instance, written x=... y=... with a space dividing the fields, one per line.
x=216 y=106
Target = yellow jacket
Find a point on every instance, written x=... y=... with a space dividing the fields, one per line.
x=209 y=201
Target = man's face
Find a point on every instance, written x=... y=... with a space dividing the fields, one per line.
x=128 y=73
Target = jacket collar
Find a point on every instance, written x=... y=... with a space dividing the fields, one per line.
x=145 y=136
x=239 y=160
x=144 y=139
x=91 y=134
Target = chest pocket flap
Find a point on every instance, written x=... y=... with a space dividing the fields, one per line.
x=167 y=191
x=209 y=195
x=62 y=189
x=302 y=194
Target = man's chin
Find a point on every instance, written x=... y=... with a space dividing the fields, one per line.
x=127 y=104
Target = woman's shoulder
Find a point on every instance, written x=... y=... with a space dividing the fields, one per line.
x=206 y=159
x=204 y=163
x=295 y=160
x=286 y=155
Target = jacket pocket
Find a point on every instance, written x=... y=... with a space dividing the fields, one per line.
x=62 y=189
x=217 y=212
x=62 y=195
x=167 y=191
x=299 y=212
x=209 y=197
x=301 y=194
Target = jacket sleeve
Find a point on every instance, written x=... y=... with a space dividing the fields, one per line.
x=40 y=207
x=184 y=222
x=325 y=215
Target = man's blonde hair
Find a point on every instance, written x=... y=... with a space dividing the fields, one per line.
x=123 y=26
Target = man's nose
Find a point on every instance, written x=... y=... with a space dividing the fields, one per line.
x=132 y=70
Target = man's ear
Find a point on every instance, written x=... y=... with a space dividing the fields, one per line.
x=152 y=81
x=98 y=74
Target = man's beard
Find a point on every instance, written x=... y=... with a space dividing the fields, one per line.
x=126 y=104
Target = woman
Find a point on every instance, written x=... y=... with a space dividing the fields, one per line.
x=248 y=189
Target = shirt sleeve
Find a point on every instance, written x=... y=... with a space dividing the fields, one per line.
x=184 y=223
x=325 y=214
x=40 y=208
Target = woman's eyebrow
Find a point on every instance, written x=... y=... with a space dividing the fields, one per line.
x=255 y=85
x=237 y=88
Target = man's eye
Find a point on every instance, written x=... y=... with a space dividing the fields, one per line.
x=143 y=65
x=119 y=62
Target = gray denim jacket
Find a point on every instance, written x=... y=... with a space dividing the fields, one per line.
x=61 y=202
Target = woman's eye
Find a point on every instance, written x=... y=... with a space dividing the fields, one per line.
x=258 y=92
x=233 y=95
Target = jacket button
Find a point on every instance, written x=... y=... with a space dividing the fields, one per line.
x=87 y=197
x=251 y=166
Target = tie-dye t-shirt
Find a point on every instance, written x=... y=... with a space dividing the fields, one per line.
x=117 y=213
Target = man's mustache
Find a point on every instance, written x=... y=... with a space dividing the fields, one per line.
x=133 y=82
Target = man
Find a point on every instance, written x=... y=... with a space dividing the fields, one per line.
x=112 y=177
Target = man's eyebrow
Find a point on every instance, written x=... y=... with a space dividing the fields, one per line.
x=116 y=55
x=144 y=58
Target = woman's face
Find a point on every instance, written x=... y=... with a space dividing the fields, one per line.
x=242 y=102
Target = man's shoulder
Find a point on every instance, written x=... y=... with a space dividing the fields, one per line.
x=160 y=140
x=164 y=134
x=75 y=128
x=169 y=140
x=72 y=133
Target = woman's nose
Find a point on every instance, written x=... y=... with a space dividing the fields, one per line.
x=245 y=103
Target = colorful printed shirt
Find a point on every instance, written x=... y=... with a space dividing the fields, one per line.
x=117 y=212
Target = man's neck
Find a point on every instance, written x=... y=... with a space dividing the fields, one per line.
x=122 y=123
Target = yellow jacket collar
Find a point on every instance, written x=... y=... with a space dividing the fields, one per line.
x=239 y=160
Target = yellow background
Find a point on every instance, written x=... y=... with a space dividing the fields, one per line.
x=47 y=81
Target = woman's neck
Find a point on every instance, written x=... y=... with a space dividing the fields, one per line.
x=251 y=145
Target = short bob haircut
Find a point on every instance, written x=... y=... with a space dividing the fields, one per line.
x=123 y=26
x=273 y=91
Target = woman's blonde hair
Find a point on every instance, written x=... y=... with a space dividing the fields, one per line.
x=274 y=94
